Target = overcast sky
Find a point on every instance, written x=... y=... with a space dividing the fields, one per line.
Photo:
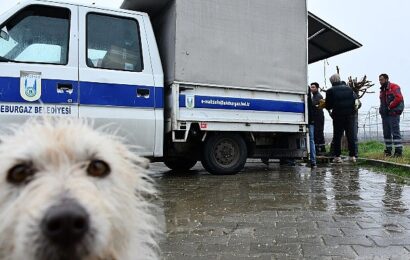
x=381 y=26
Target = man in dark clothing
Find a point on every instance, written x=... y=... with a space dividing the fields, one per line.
x=311 y=125
x=318 y=118
x=391 y=107
x=340 y=100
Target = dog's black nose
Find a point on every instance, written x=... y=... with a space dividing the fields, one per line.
x=65 y=224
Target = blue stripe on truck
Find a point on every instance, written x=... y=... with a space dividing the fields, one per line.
x=231 y=103
x=121 y=95
x=105 y=94
x=10 y=91
x=91 y=93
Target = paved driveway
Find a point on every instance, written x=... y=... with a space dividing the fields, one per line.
x=339 y=212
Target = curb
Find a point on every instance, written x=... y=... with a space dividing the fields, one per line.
x=385 y=163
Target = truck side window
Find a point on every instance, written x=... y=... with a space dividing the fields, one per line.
x=113 y=43
x=36 y=34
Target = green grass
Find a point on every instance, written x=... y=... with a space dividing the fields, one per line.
x=398 y=171
x=375 y=150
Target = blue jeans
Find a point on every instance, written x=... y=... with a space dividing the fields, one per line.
x=312 y=144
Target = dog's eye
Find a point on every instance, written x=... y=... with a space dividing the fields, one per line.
x=98 y=168
x=20 y=173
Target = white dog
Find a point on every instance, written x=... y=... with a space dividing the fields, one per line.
x=68 y=192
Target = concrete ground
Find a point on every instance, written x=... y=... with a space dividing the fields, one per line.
x=332 y=212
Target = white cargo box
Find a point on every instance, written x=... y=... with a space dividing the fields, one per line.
x=258 y=44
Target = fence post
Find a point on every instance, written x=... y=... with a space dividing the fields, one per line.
x=370 y=129
x=377 y=123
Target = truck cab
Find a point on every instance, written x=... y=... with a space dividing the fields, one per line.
x=71 y=60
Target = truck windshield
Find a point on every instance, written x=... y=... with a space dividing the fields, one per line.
x=36 y=34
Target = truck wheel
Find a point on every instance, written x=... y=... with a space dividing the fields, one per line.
x=180 y=163
x=224 y=154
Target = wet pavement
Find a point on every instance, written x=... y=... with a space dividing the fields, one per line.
x=332 y=212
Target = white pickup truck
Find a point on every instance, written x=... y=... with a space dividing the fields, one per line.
x=210 y=81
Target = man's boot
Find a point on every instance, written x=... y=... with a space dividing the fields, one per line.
x=398 y=153
x=387 y=152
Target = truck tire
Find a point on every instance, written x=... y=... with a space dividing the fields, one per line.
x=180 y=163
x=224 y=154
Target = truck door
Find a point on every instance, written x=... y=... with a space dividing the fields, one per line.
x=116 y=79
x=38 y=62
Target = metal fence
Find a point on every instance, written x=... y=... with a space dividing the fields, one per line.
x=370 y=125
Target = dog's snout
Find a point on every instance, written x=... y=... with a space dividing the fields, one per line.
x=65 y=224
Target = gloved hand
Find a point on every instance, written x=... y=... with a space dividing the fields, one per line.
x=322 y=103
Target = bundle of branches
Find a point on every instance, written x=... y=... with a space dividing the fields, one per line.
x=360 y=87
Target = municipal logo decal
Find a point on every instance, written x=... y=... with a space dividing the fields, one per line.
x=190 y=101
x=30 y=85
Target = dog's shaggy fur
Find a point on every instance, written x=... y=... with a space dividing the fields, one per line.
x=122 y=225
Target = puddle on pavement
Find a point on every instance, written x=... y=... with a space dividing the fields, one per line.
x=289 y=202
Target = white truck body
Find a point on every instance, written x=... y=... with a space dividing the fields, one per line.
x=233 y=66
x=237 y=43
x=219 y=81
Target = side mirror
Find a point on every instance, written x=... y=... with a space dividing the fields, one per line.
x=4 y=35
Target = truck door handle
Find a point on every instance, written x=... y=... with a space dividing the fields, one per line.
x=143 y=92
x=64 y=87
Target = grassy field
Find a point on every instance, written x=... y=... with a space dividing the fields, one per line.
x=375 y=150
